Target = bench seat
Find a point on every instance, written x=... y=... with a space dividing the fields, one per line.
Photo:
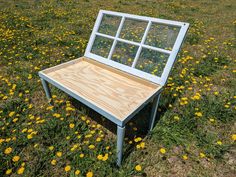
x=113 y=92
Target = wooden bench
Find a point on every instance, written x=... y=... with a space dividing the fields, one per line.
x=126 y=65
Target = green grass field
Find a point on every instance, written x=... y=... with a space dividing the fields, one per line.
x=196 y=131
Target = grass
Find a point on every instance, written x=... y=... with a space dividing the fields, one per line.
x=195 y=133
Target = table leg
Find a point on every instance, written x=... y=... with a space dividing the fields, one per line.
x=154 y=112
x=47 y=91
x=120 y=142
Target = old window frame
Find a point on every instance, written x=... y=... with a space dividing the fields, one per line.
x=131 y=69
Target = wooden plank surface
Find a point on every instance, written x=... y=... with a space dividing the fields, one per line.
x=112 y=90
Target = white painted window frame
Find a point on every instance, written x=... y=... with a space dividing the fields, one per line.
x=132 y=70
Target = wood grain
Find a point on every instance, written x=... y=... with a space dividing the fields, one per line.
x=113 y=91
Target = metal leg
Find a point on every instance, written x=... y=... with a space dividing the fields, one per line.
x=120 y=142
x=154 y=112
x=47 y=91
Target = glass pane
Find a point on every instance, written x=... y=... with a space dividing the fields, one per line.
x=124 y=53
x=162 y=36
x=109 y=24
x=152 y=62
x=133 y=30
x=101 y=46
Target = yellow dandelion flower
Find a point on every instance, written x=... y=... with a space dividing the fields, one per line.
x=53 y=162
x=91 y=146
x=138 y=139
x=24 y=130
x=212 y=120
x=8 y=150
x=219 y=142
x=67 y=168
x=83 y=118
x=20 y=170
x=1 y=141
x=142 y=145
x=59 y=154
x=105 y=157
x=176 y=118
x=54 y=96
x=30 y=76
x=30 y=106
x=8 y=172
x=233 y=137
x=14 y=120
x=30 y=136
x=16 y=158
x=88 y=136
x=89 y=174
x=99 y=157
x=202 y=155
x=196 y=97
x=8 y=139
x=98 y=139
x=162 y=150
x=77 y=172
x=69 y=109
x=72 y=125
x=81 y=155
x=30 y=130
x=51 y=148
x=185 y=157
x=11 y=114
x=56 y=115
x=198 y=114
x=138 y=168
x=49 y=108
x=226 y=106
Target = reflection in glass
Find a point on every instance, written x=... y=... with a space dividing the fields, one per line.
x=109 y=25
x=152 y=62
x=162 y=36
x=133 y=30
x=124 y=53
x=101 y=46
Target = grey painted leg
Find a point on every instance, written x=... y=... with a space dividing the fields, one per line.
x=47 y=91
x=120 y=142
x=154 y=112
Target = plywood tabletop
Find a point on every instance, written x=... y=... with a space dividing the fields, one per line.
x=114 y=91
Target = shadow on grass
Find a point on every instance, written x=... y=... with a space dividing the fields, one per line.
x=136 y=127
